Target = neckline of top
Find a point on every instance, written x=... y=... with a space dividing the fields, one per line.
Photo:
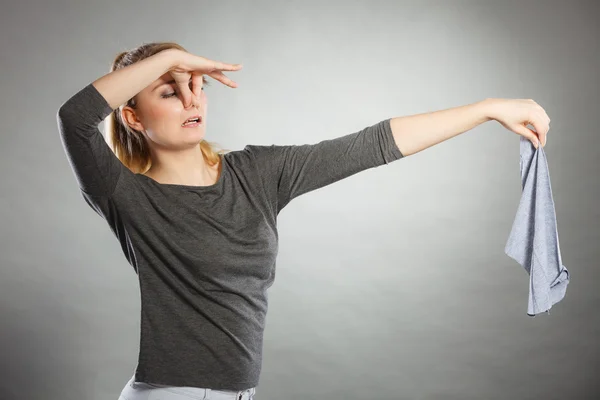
x=181 y=186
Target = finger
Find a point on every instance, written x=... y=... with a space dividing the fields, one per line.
x=544 y=135
x=543 y=128
x=185 y=93
x=197 y=82
x=226 y=67
x=527 y=133
x=544 y=115
x=218 y=75
x=539 y=127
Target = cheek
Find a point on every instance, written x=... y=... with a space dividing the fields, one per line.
x=165 y=115
x=167 y=108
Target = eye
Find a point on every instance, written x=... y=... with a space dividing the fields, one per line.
x=204 y=83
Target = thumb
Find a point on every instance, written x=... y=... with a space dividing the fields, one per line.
x=527 y=133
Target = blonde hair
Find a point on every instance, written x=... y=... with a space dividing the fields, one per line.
x=129 y=145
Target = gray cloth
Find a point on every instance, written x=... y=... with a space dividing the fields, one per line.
x=205 y=255
x=533 y=240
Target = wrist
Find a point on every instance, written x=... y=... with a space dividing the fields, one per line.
x=170 y=58
x=488 y=108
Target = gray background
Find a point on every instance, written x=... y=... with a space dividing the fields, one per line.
x=392 y=283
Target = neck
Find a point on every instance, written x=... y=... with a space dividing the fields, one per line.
x=182 y=167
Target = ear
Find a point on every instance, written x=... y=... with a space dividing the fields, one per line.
x=131 y=119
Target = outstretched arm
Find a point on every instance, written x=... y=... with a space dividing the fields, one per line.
x=417 y=132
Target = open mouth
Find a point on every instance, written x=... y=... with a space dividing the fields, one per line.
x=196 y=120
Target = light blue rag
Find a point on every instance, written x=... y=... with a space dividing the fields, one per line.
x=533 y=240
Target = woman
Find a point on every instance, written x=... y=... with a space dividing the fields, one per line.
x=199 y=227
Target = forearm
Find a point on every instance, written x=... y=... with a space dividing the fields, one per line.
x=417 y=132
x=119 y=86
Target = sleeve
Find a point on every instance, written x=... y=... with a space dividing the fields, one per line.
x=533 y=240
x=96 y=167
x=292 y=170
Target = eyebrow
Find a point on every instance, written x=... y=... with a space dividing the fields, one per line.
x=165 y=83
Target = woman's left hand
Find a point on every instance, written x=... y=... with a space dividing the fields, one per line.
x=516 y=114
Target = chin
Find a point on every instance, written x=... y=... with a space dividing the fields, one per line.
x=194 y=135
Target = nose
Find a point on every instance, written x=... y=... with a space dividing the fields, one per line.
x=194 y=103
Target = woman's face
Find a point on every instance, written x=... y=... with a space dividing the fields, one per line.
x=160 y=115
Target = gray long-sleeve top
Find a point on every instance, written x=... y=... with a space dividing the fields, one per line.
x=205 y=255
x=533 y=240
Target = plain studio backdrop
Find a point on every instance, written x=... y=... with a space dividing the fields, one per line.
x=392 y=283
